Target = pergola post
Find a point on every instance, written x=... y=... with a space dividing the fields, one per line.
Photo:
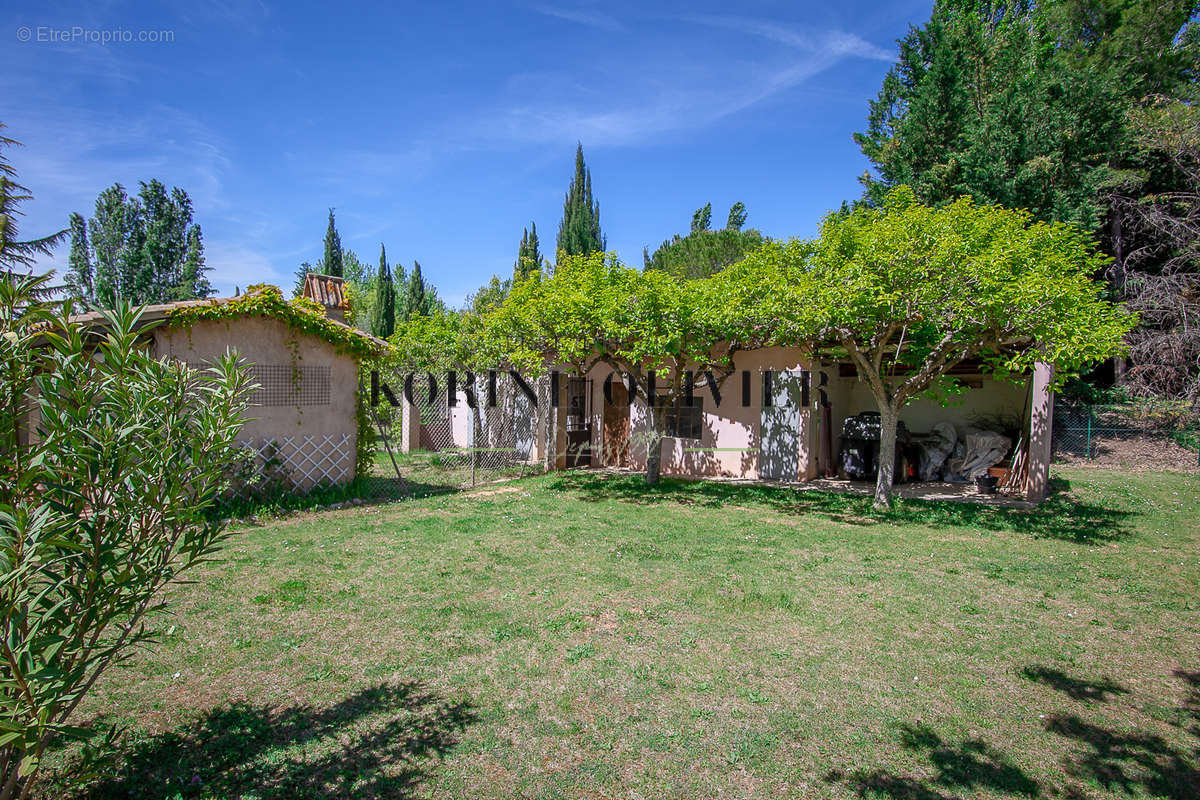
x=410 y=427
x=1041 y=427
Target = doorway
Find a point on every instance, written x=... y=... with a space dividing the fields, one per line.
x=616 y=427
x=579 y=423
x=779 y=442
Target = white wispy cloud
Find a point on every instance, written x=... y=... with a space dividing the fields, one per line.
x=582 y=16
x=832 y=42
x=235 y=265
x=630 y=106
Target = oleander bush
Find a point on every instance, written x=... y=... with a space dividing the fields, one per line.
x=110 y=459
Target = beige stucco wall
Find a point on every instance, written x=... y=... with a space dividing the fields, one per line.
x=319 y=428
x=733 y=432
x=730 y=443
x=992 y=397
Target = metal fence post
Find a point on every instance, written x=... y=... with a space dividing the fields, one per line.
x=1088 y=451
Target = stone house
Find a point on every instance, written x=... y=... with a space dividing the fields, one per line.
x=303 y=420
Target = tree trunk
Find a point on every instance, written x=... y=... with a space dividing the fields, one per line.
x=654 y=445
x=889 y=421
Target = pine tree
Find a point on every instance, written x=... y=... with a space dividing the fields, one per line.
x=333 y=249
x=301 y=274
x=383 y=322
x=579 y=232
x=705 y=252
x=1024 y=105
x=15 y=253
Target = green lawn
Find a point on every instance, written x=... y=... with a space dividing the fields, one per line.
x=576 y=636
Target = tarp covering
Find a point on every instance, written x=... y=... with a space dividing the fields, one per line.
x=935 y=448
x=984 y=449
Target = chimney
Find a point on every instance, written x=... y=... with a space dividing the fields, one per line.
x=329 y=291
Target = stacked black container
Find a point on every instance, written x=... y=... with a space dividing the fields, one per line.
x=860 y=446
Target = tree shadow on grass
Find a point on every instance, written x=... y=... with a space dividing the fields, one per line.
x=1122 y=760
x=1133 y=761
x=380 y=742
x=1076 y=688
x=383 y=489
x=1062 y=516
x=970 y=767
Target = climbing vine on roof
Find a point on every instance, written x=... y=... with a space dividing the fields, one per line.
x=302 y=314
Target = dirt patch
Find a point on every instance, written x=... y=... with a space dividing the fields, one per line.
x=490 y=492
x=1134 y=452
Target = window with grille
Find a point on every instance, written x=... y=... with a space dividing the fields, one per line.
x=285 y=385
x=684 y=422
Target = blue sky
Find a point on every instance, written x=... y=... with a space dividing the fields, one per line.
x=443 y=129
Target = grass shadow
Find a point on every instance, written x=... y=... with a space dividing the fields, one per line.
x=379 y=742
x=1062 y=516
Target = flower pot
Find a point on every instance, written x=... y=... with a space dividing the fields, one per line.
x=986 y=484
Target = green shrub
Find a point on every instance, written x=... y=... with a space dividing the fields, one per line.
x=109 y=460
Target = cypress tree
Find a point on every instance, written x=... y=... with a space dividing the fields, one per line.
x=579 y=232
x=383 y=323
x=333 y=249
x=416 y=301
x=529 y=259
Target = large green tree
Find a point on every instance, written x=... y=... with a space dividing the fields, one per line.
x=1043 y=107
x=906 y=292
x=143 y=249
x=1021 y=104
x=13 y=251
x=489 y=296
x=383 y=318
x=705 y=252
x=579 y=232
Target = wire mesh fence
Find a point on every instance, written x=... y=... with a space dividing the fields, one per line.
x=1144 y=435
x=457 y=447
